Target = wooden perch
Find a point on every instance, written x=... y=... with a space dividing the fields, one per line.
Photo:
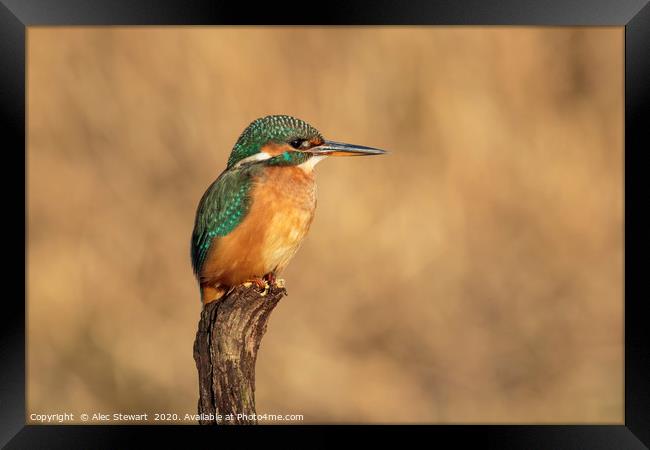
x=225 y=351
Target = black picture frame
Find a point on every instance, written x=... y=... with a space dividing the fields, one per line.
x=634 y=15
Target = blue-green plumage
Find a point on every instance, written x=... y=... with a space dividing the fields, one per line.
x=269 y=129
x=221 y=209
x=226 y=202
x=264 y=244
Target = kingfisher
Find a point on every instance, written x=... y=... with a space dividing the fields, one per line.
x=252 y=219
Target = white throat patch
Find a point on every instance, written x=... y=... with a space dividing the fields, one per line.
x=308 y=165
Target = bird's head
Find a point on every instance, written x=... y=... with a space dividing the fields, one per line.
x=288 y=141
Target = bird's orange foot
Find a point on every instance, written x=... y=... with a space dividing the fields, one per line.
x=273 y=281
x=260 y=283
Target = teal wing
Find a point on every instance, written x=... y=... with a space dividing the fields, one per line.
x=221 y=209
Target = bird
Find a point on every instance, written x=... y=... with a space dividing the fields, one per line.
x=252 y=219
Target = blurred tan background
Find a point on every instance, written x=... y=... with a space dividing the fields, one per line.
x=474 y=275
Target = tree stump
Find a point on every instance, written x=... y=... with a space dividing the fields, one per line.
x=225 y=351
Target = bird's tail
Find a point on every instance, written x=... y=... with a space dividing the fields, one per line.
x=211 y=293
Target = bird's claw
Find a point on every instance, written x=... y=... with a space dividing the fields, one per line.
x=266 y=287
x=259 y=283
x=273 y=281
x=264 y=284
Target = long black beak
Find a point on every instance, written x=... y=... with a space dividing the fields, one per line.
x=332 y=148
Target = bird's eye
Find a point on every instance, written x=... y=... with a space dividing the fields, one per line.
x=296 y=143
x=300 y=144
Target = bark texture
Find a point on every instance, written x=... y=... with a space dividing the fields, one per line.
x=225 y=351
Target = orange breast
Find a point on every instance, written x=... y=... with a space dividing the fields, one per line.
x=281 y=211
